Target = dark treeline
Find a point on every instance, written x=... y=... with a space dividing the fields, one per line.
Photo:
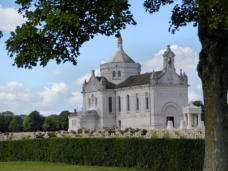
x=33 y=122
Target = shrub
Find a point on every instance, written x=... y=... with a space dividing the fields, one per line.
x=87 y=131
x=157 y=154
x=27 y=137
x=80 y=131
x=154 y=135
x=144 y=131
x=51 y=134
x=111 y=131
x=166 y=135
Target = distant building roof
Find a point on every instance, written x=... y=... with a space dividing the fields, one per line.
x=109 y=85
x=134 y=80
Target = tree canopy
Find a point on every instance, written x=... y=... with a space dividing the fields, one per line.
x=51 y=123
x=33 y=122
x=55 y=30
x=16 y=124
x=188 y=11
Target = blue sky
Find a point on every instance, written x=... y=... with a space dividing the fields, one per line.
x=57 y=87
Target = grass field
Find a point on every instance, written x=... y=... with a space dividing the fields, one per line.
x=45 y=166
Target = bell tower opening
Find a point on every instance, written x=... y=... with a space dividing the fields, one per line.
x=168 y=60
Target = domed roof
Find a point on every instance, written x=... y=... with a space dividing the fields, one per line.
x=120 y=55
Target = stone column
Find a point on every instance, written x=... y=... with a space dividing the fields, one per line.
x=189 y=126
x=199 y=121
x=185 y=118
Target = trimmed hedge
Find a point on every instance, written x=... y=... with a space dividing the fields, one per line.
x=158 y=154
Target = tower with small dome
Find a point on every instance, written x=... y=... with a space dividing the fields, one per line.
x=120 y=66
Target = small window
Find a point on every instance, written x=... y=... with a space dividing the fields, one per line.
x=92 y=98
x=110 y=104
x=89 y=102
x=147 y=101
x=137 y=102
x=113 y=74
x=119 y=74
x=95 y=101
x=128 y=103
x=119 y=101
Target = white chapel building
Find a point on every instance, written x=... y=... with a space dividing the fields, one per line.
x=123 y=97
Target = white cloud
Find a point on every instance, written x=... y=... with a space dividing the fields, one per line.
x=86 y=77
x=18 y=98
x=49 y=95
x=192 y=95
x=185 y=58
x=7 y=96
x=14 y=84
x=9 y=19
x=76 y=98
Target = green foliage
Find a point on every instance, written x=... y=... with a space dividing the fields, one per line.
x=5 y=119
x=166 y=135
x=63 y=120
x=189 y=11
x=157 y=154
x=51 y=134
x=7 y=113
x=47 y=166
x=154 y=135
x=16 y=124
x=79 y=131
x=33 y=122
x=144 y=132
x=111 y=131
x=55 y=30
x=1 y=34
x=52 y=123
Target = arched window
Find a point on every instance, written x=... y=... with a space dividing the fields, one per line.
x=147 y=100
x=119 y=102
x=113 y=74
x=128 y=103
x=92 y=100
x=137 y=102
x=110 y=104
x=119 y=74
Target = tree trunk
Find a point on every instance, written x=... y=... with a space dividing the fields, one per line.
x=213 y=71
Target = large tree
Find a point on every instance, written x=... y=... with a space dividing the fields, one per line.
x=211 y=17
x=16 y=124
x=63 y=120
x=33 y=122
x=51 y=123
x=5 y=119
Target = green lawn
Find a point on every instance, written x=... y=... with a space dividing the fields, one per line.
x=45 y=166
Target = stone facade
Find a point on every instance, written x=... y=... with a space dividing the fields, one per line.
x=123 y=98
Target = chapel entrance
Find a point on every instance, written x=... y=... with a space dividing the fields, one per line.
x=169 y=118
